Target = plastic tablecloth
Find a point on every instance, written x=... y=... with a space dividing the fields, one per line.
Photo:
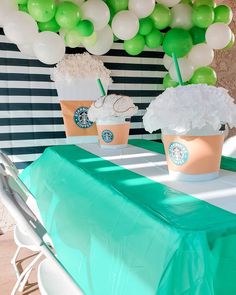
x=119 y=232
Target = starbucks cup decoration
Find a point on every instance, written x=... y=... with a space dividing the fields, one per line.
x=76 y=83
x=191 y=118
x=112 y=114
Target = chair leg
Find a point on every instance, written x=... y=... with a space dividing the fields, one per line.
x=13 y=261
x=25 y=273
x=24 y=281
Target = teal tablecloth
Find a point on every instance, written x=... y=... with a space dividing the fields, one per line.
x=141 y=239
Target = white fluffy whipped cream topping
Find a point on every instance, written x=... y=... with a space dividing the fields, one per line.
x=189 y=107
x=111 y=106
x=84 y=66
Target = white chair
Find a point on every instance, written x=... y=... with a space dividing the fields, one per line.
x=53 y=278
x=9 y=166
x=21 y=239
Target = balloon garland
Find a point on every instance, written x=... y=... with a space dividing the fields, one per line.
x=189 y=29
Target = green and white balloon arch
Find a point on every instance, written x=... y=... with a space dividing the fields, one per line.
x=189 y=29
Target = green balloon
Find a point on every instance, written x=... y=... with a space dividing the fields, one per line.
x=23 y=7
x=51 y=26
x=42 y=10
x=85 y=27
x=161 y=17
x=112 y=14
x=198 y=35
x=177 y=41
x=67 y=15
x=117 y=5
x=189 y=2
x=203 y=16
x=169 y=82
x=115 y=38
x=145 y=26
x=210 y=3
x=154 y=39
x=135 y=45
x=223 y=14
x=204 y=75
x=21 y=1
x=73 y=38
x=231 y=43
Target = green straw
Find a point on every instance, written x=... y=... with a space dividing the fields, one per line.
x=103 y=93
x=177 y=69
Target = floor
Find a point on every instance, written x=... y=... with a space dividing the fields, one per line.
x=7 y=274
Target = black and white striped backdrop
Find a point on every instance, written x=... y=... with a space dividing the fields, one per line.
x=30 y=114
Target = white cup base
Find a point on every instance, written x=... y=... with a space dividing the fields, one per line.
x=113 y=146
x=81 y=139
x=179 y=176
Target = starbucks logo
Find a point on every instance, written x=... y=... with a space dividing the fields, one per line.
x=81 y=118
x=178 y=153
x=107 y=136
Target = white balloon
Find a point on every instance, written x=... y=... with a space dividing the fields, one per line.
x=218 y=35
x=168 y=3
x=142 y=8
x=6 y=7
x=181 y=16
x=49 y=47
x=125 y=25
x=90 y=40
x=20 y=28
x=201 y=55
x=27 y=49
x=97 y=11
x=186 y=70
x=104 y=42
x=167 y=61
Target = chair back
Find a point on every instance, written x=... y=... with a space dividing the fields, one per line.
x=8 y=165
x=28 y=222
x=16 y=206
x=11 y=169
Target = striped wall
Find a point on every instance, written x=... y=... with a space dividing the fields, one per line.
x=30 y=114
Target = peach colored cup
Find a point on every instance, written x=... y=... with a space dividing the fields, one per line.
x=76 y=96
x=75 y=118
x=193 y=158
x=113 y=132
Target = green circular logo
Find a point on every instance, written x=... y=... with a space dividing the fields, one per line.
x=81 y=118
x=107 y=136
x=178 y=153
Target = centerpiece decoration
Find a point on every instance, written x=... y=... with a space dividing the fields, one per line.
x=76 y=83
x=188 y=31
x=191 y=118
x=112 y=114
x=194 y=29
